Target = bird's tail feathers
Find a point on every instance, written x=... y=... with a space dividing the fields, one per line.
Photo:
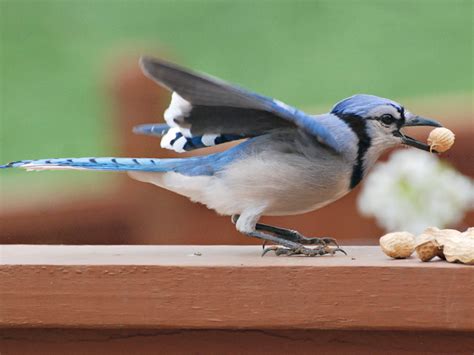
x=106 y=164
x=152 y=129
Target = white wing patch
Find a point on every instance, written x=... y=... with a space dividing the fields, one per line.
x=172 y=140
x=178 y=109
x=178 y=138
x=179 y=144
x=175 y=138
x=209 y=139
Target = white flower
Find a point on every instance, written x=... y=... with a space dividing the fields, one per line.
x=414 y=190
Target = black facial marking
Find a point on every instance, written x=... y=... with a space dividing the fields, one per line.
x=93 y=161
x=401 y=110
x=136 y=161
x=113 y=160
x=401 y=121
x=359 y=127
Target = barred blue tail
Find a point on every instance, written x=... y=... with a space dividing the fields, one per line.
x=202 y=165
x=113 y=164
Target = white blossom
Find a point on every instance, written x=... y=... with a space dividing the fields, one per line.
x=414 y=190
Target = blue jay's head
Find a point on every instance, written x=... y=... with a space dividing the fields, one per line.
x=381 y=119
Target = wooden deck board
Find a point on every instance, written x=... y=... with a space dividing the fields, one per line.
x=229 y=287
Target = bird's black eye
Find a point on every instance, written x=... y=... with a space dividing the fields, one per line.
x=387 y=119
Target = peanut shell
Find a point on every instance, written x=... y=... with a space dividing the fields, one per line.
x=398 y=245
x=469 y=233
x=434 y=234
x=441 y=139
x=459 y=249
x=428 y=250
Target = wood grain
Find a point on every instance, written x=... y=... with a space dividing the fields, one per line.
x=167 y=287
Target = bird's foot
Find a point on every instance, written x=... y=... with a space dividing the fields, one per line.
x=299 y=238
x=290 y=242
x=324 y=241
x=295 y=236
x=302 y=250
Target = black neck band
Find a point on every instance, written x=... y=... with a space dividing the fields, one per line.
x=359 y=127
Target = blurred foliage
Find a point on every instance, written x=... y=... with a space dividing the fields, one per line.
x=55 y=56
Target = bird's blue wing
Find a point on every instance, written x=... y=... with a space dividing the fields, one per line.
x=203 y=105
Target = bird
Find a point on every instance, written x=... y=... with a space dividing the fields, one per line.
x=285 y=161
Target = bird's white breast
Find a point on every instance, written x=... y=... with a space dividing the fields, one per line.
x=282 y=184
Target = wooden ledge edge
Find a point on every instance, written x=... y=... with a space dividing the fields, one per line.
x=167 y=287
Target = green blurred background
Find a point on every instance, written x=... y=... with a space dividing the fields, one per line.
x=56 y=56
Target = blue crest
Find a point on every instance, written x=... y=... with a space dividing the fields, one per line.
x=361 y=105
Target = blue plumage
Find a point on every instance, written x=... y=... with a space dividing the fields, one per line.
x=304 y=121
x=93 y=163
x=362 y=104
x=247 y=113
x=153 y=129
x=206 y=165
x=290 y=162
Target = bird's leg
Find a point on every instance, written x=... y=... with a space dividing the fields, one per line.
x=290 y=247
x=274 y=239
x=291 y=235
x=295 y=236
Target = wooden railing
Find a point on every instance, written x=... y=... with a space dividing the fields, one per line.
x=213 y=298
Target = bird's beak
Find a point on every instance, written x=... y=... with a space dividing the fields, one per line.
x=412 y=120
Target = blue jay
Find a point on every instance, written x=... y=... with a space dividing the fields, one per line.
x=289 y=162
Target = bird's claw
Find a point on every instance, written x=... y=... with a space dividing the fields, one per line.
x=313 y=241
x=299 y=238
x=302 y=250
x=334 y=250
x=322 y=241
